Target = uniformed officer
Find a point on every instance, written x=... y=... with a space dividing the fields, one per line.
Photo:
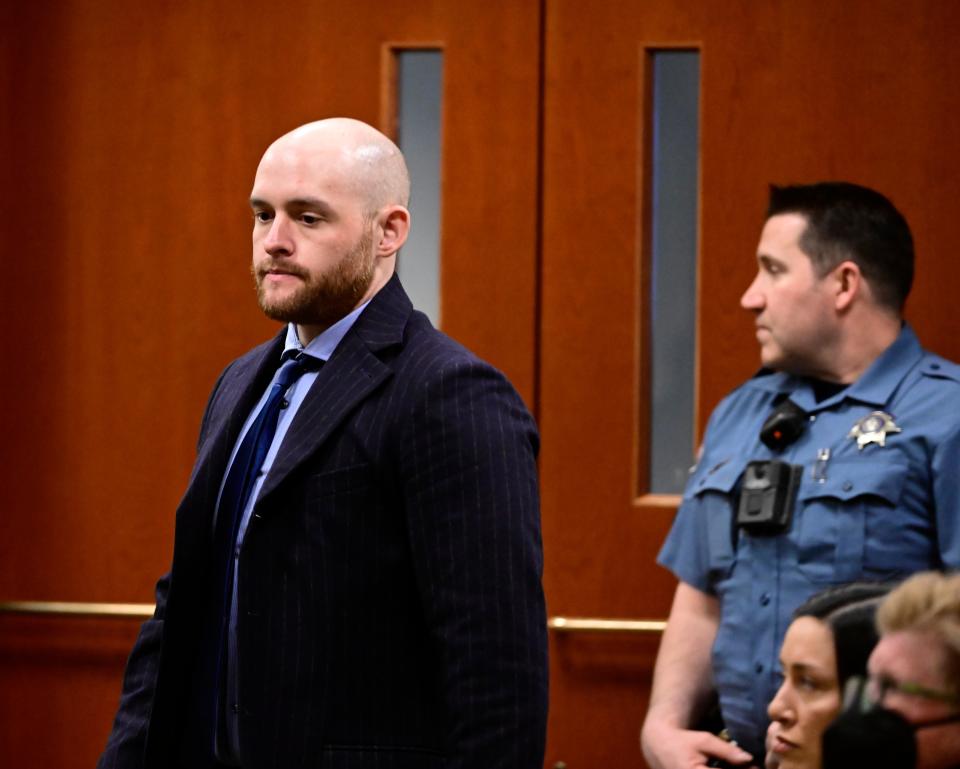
x=838 y=461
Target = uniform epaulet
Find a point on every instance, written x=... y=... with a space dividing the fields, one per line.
x=940 y=368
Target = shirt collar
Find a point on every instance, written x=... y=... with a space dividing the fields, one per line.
x=324 y=343
x=881 y=379
x=876 y=386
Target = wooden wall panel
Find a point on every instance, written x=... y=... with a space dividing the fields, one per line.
x=59 y=688
x=490 y=182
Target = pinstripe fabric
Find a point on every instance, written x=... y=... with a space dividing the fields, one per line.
x=391 y=613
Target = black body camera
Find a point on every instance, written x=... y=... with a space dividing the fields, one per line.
x=767 y=495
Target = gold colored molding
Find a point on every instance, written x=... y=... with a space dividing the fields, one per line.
x=590 y=625
x=75 y=609
x=145 y=611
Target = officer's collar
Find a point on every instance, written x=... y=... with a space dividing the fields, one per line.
x=875 y=387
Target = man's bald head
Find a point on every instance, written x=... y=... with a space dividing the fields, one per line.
x=329 y=216
x=366 y=159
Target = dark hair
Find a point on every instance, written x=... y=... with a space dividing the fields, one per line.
x=848 y=610
x=847 y=221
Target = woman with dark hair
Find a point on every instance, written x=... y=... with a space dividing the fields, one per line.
x=827 y=643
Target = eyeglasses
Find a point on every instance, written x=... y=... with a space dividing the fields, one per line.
x=879 y=686
x=863 y=693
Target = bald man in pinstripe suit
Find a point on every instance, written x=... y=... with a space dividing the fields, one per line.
x=380 y=603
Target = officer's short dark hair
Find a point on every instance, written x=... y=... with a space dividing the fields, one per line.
x=847 y=221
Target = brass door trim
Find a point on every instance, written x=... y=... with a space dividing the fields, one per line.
x=78 y=609
x=594 y=625
x=145 y=611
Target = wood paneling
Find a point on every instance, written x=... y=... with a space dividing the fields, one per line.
x=59 y=685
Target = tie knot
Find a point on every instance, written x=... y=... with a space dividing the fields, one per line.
x=294 y=366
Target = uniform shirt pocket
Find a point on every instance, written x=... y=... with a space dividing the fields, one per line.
x=832 y=515
x=714 y=491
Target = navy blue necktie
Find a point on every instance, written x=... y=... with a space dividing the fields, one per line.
x=237 y=487
x=253 y=450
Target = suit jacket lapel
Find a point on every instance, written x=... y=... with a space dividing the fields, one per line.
x=353 y=372
x=237 y=394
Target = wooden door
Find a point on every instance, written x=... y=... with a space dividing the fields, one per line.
x=131 y=135
x=790 y=91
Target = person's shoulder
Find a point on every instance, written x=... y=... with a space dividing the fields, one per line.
x=432 y=363
x=768 y=381
x=395 y=331
x=739 y=415
x=934 y=366
x=429 y=350
x=763 y=387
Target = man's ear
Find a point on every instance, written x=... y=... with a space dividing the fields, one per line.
x=393 y=226
x=848 y=283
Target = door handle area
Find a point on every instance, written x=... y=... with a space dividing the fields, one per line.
x=77 y=609
x=562 y=625
x=594 y=625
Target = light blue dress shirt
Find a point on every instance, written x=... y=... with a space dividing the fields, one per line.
x=322 y=347
x=879 y=512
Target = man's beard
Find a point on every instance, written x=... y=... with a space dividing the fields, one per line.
x=320 y=300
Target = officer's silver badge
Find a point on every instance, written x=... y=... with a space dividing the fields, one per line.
x=873 y=428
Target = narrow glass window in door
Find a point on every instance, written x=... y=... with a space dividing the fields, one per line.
x=674 y=164
x=419 y=109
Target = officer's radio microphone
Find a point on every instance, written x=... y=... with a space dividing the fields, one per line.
x=769 y=487
x=785 y=424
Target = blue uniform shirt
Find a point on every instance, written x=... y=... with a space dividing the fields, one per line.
x=877 y=512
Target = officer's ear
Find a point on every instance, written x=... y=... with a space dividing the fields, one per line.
x=848 y=284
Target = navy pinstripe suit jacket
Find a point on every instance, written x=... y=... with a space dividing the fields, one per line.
x=390 y=608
